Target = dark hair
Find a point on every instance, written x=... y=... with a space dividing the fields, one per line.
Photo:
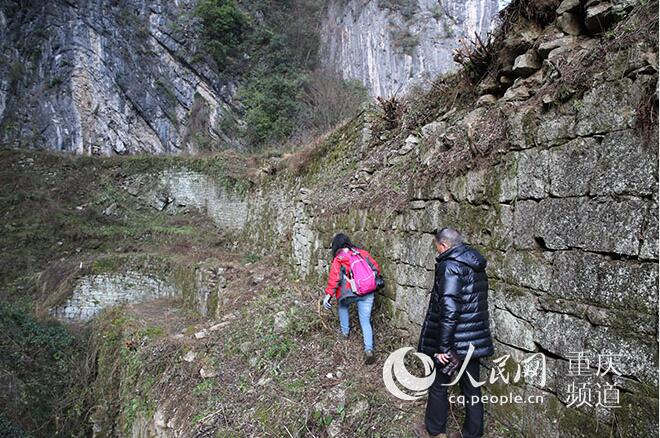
x=340 y=241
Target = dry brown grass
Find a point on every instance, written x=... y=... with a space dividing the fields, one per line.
x=298 y=161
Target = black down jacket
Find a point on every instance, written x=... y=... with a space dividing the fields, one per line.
x=458 y=308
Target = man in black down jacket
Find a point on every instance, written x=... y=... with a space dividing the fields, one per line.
x=457 y=316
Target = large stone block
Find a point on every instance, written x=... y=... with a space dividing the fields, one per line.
x=415 y=276
x=612 y=226
x=625 y=166
x=556 y=127
x=533 y=173
x=531 y=269
x=519 y=301
x=522 y=126
x=596 y=279
x=571 y=167
x=481 y=224
x=423 y=220
x=606 y=107
x=561 y=334
x=601 y=224
x=414 y=302
x=524 y=217
x=476 y=186
x=501 y=181
x=512 y=331
x=416 y=249
x=638 y=357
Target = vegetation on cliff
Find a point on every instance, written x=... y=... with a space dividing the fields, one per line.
x=162 y=367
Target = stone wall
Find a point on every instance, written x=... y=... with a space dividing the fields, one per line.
x=180 y=190
x=94 y=293
x=109 y=281
x=570 y=234
x=565 y=209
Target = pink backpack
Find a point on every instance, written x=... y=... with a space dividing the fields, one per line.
x=363 y=278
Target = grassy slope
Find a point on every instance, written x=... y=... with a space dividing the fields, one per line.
x=52 y=208
x=270 y=382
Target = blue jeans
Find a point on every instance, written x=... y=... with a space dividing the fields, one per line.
x=364 y=305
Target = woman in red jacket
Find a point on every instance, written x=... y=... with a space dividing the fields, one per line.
x=340 y=288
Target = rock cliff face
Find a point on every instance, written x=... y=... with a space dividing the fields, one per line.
x=126 y=77
x=384 y=44
x=94 y=77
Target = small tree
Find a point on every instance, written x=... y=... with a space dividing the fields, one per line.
x=224 y=27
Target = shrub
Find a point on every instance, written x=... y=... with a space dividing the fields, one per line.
x=271 y=105
x=224 y=27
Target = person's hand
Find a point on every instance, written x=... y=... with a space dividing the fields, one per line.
x=326 y=302
x=443 y=358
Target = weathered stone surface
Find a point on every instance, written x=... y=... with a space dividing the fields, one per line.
x=649 y=248
x=93 y=293
x=513 y=331
x=482 y=224
x=409 y=275
x=571 y=167
x=519 y=301
x=280 y=322
x=526 y=64
x=207 y=373
x=209 y=280
x=555 y=41
x=416 y=250
x=570 y=23
x=502 y=181
x=638 y=357
x=475 y=189
x=531 y=269
x=594 y=225
x=607 y=107
x=599 y=16
x=177 y=190
x=414 y=301
x=560 y=333
x=524 y=217
x=555 y=127
x=522 y=126
x=568 y=6
x=593 y=278
x=533 y=173
x=486 y=99
x=409 y=145
x=625 y=166
x=516 y=92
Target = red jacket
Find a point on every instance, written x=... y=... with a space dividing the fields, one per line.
x=338 y=287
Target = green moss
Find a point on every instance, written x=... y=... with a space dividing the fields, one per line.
x=39 y=361
x=184 y=279
x=107 y=264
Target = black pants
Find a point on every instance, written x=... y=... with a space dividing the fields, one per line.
x=437 y=406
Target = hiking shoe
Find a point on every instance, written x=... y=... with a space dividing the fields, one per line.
x=342 y=335
x=369 y=357
x=419 y=429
